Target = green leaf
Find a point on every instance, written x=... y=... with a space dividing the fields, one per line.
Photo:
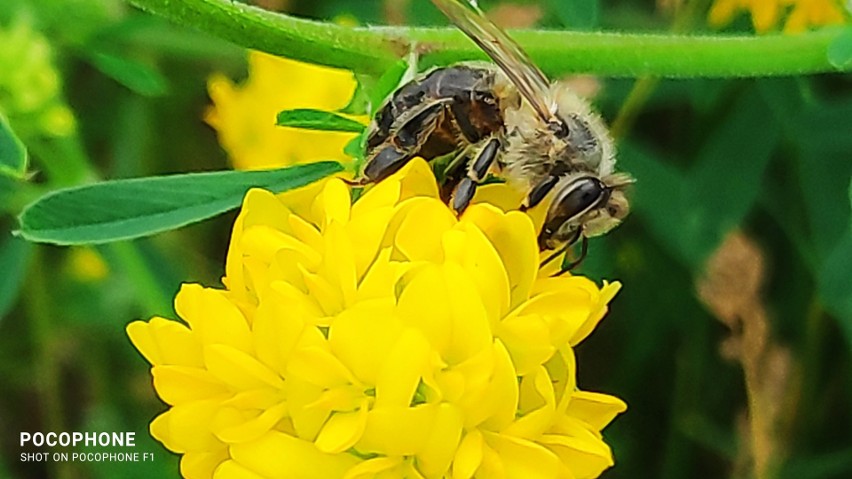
x=834 y=280
x=691 y=212
x=137 y=76
x=124 y=209
x=318 y=120
x=359 y=104
x=13 y=154
x=14 y=257
x=576 y=14
x=840 y=51
x=387 y=84
x=726 y=180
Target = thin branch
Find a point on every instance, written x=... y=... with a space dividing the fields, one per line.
x=373 y=49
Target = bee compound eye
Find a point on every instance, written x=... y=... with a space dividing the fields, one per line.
x=558 y=127
x=582 y=195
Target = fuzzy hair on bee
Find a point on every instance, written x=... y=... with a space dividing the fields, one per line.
x=505 y=120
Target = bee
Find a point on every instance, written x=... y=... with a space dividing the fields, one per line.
x=507 y=120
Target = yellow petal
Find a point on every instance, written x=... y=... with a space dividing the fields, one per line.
x=456 y=325
x=180 y=384
x=398 y=431
x=165 y=342
x=416 y=179
x=383 y=195
x=278 y=455
x=528 y=340
x=537 y=406
x=339 y=263
x=233 y=470
x=400 y=373
x=333 y=204
x=423 y=224
x=439 y=449
x=371 y=468
x=319 y=367
x=595 y=409
x=502 y=391
x=202 y=464
x=522 y=459
x=239 y=370
x=586 y=455
x=213 y=317
x=468 y=456
x=342 y=430
x=186 y=427
x=514 y=238
x=470 y=248
x=307 y=420
x=249 y=429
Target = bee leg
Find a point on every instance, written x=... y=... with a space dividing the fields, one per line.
x=584 y=249
x=542 y=245
x=477 y=172
x=384 y=163
x=404 y=144
x=538 y=192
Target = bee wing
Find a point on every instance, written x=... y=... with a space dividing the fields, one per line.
x=507 y=54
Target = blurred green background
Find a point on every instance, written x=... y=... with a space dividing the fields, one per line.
x=739 y=367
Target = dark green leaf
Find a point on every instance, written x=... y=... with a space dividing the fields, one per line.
x=840 y=50
x=318 y=120
x=13 y=155
x=835 y=279
x=725 y=183
x=576 y=14
x=137 y=76
x=386 y=85
x=14 y=256
x=124 y=209
x=690 y=213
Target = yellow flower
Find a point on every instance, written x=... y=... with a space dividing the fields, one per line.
x=808 y=13
x=87 y=265
x=381 y=339
x=244 y=116
x=767 y=14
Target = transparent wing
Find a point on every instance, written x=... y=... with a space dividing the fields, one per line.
x=507 y=54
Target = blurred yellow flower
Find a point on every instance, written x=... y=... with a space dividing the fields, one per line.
x=381 y=339
x=87 y=265
x=244 y=116
x=767 y=14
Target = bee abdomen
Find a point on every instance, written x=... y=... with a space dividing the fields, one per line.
x=438 y=113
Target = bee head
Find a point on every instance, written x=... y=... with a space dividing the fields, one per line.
x=586 y=206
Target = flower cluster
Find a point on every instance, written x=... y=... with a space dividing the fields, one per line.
x=244 y=116
x=381 y=339
x=767 y=14
x=30 y=85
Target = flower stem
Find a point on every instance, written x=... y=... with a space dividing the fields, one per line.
x=373 y=49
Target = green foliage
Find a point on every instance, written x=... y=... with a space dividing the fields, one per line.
x=13 y=154
x=14 y=256
x=135 y=75
x=840 y=50
x=318 y=120
x=576 y=14
x=124 y=209
x=712 y=154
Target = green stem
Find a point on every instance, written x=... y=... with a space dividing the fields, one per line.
x=44 y=335
x=373 y=49
x=151 y=295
